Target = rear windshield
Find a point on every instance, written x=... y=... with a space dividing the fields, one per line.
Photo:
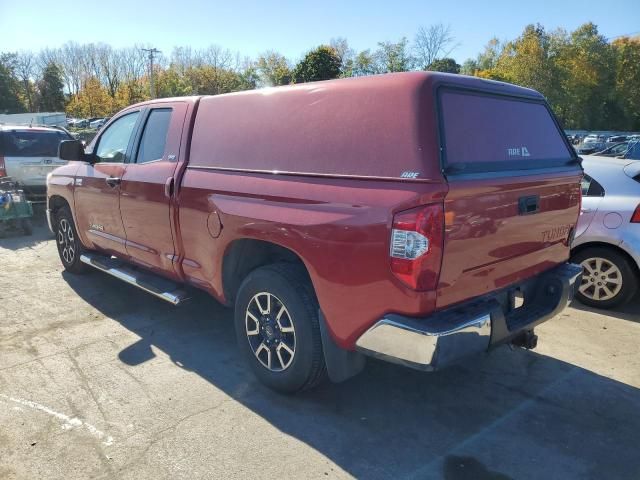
x=31 y=143
x=489 y=132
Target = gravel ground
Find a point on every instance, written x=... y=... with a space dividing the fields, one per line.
x=100 y=380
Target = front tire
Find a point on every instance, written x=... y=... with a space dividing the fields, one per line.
x=277 y=328
x=68 y=243
x=609 y=280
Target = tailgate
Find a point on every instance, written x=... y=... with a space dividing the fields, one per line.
x=514 y=193
x=31 y=171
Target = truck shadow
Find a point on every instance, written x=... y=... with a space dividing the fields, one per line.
x=511 y=414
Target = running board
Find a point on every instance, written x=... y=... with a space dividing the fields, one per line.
x=160 y=287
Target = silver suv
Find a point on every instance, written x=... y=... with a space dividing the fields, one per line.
x=28 y=154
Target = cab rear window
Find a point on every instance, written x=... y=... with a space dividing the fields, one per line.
x=491 y=132
x=31 y=143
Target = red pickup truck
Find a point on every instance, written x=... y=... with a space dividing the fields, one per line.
x=416 y=217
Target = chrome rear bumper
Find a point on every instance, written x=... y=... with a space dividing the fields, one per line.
x=445 y=337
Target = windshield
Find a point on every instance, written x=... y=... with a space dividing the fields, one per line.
x=32 y=143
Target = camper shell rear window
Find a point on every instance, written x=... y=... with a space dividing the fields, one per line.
x=489 y=132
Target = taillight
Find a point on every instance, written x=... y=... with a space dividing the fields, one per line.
x=416 y=246
x=635 y=218
x=3 y=171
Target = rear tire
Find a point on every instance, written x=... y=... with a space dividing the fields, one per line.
x=277 y=328
x=609 y=279
x=68 y=243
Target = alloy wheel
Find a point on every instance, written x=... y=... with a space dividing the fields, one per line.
x=601 y=280
x=270 y=331
x=66 y=241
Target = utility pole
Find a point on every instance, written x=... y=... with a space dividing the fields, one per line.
x=152 y=52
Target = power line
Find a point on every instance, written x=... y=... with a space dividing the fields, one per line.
x=152 y=52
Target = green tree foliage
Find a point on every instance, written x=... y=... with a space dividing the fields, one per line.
x=10 y=95
x=586 y=63
x=273 y=69
x=363 y=63
x=51 y=90
x=93 y=100
x=590 y=82
x=529 y=60
x=394 y=57
x=170 y=83
x=627 y=54
x=209 y=80
x=322 y=63
x=447 y=65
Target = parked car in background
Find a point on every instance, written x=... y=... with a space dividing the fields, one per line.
x=614 y=150
x=590 y=147
x=617 y=138
x=28 y=154
x=79 y=123
x=607 y=240
x=98 y=123
x=416 y=217
x=633 y=152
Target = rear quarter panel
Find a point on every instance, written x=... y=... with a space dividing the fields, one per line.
x=338 y=227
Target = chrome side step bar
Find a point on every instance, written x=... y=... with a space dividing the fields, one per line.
x=160 y=287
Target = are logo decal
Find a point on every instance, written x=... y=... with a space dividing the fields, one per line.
x=518 y=152
x=408 y=174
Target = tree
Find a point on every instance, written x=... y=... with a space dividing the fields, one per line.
x=10 y=101
x=431 y=43
x=447 y=65
x=170 y=83
x=530 y=61
x=273 y=69
x=51 y=90
x=25 y=69
x=346 y=55
x=93 y=100
x=364 y=63
x=393 y=57
x=249 y=77
x=586 y=65
x=322 y=63
x=627 y=53
x=489 y=57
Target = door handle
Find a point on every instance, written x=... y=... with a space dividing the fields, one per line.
x=113 y=181
x=585 y=210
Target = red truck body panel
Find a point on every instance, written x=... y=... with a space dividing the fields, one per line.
x=321 y=169
x=340 y=231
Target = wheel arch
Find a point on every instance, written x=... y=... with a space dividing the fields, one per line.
x=56 y=202
x=244 y=255
x=610 y=246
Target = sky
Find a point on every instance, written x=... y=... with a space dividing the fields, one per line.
x=292 y=27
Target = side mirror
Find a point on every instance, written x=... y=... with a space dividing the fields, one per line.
x=72 y=150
